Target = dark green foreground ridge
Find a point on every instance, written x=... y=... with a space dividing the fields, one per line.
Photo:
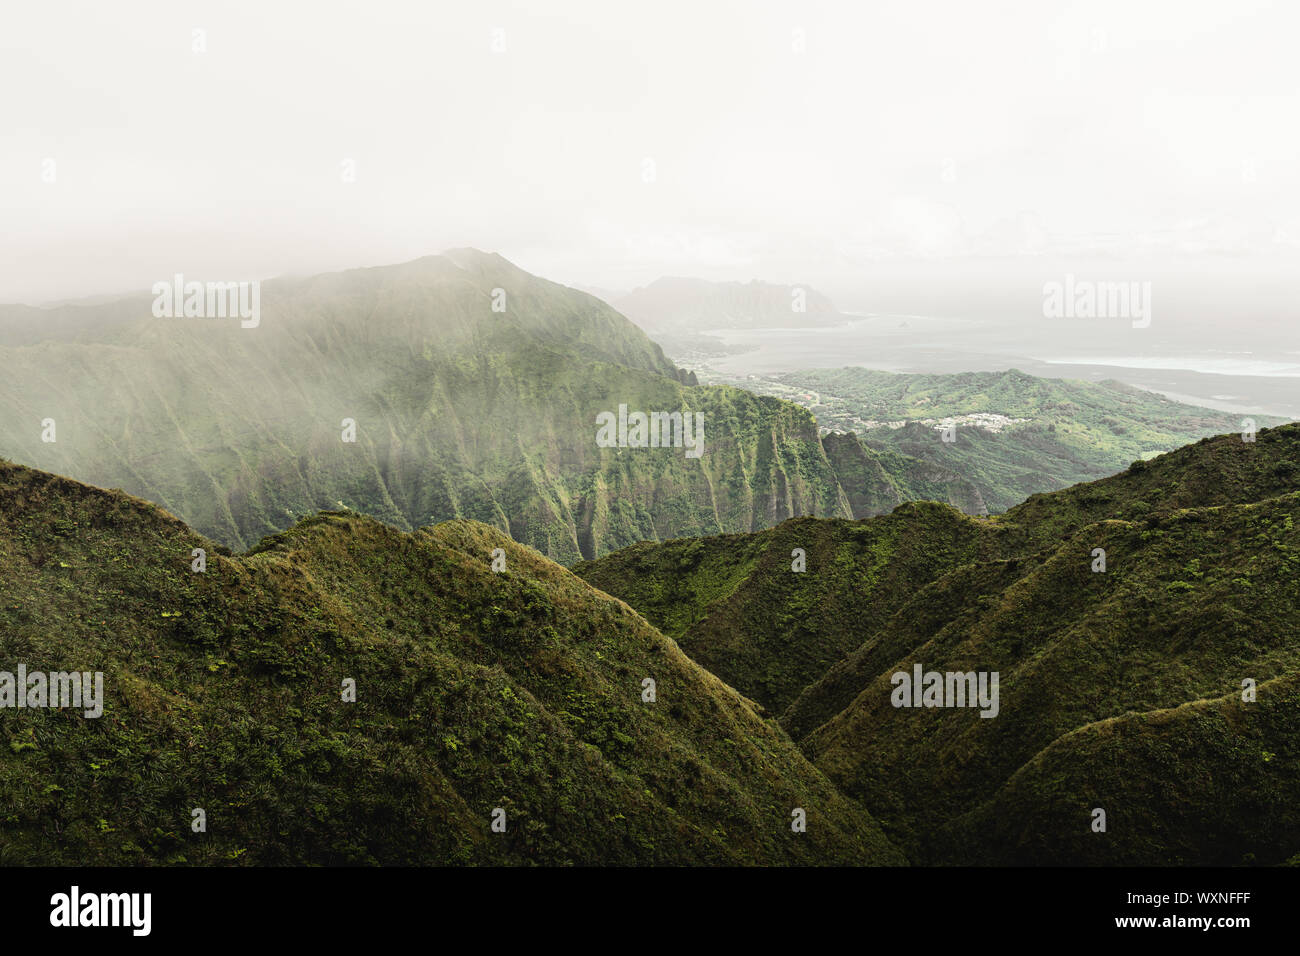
x=1120 y=691
x=474 y=690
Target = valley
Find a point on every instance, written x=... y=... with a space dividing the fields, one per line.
x=1121 y=685
x=1014 y=434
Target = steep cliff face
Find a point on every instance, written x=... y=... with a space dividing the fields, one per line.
x=877 y=480
x=402 y=392
x=456 y=410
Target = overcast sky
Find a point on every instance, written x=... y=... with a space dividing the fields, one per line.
x=898 y=130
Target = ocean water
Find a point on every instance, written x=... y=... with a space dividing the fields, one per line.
x=1262 y=380
x=1209 y=363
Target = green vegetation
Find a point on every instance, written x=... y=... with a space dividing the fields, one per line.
x=460 y=411
x=1060 y=432
x=1119 y=690
x=521 y=690
x=734 y=603
x=474 y=690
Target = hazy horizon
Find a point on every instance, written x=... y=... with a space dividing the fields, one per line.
x=789 y=142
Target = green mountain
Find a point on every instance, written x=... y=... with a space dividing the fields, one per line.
x=458 y=410
x=735 y=604
x=1015 y=434
x=1119 y=690
x=475 y=690
x=877 y=480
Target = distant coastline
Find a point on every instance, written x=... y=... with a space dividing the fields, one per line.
x=1225 y=381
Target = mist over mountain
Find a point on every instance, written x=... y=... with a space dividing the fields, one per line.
x=680 y=305
x=451 y=386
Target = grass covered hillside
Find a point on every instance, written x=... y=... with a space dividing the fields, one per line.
x=876 y=480
x=474 y=690
x=1120 y=690
x=1016 y=434
x=736 y=604
x=399 y=392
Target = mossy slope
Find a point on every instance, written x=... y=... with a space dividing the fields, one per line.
x=1120 y=690
x=474 y=690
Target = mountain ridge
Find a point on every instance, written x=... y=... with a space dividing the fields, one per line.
x=1197 y=592
x=458 y=411
x=474 y=691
